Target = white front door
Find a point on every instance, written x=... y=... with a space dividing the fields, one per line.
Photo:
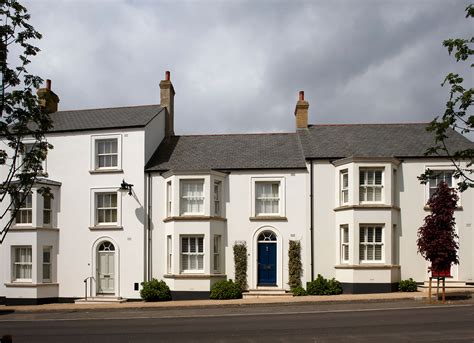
x=106 y=269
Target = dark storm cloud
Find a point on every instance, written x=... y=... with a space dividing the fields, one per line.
x=237 y=66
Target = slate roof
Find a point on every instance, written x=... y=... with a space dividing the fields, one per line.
x=228 y=152
x=377 y=140
x=104 y=118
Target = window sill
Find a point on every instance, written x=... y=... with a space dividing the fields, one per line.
x=367 y=207
x=106 y=171
x=268 y=218
x=31 y=228
x=367 y=265
x=193 y=218
x=106 y=227
x=29 y=284
x=193 y=276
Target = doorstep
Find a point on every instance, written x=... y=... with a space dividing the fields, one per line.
x=100 y=300
x=265 y=293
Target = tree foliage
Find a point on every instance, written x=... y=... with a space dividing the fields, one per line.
x=295 y=266
x=457 y=115
x=437 y=238
x=240 y=263
x=21 y=115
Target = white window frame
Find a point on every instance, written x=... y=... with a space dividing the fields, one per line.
x=435 y=170
x=216 y=250
x=344 y=244
x=281 y=193
x=94 y=165
x=16 y=263
x=23 y=208
x=192 y=255
x=169 y=254
x=363 y=187
x=344 y=190
x=183 y=199
x=169 y=198
x=94 y=224
x=48 y=211
x=49 y=263
x=217 y=196
x=365 y=228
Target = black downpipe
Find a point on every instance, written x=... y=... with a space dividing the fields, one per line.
x=311 y=229
x=148 y=233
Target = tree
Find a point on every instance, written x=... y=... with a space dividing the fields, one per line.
x=22 y=117
x=437 y=239
x=456 y=115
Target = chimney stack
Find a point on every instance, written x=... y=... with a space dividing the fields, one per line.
x=167 y=100
x=301 y=112
x=47 y=99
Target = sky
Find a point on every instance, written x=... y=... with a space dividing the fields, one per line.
x=237 y=66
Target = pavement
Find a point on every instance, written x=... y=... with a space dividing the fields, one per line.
x=452 y=294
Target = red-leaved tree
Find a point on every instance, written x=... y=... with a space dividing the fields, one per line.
x=437 y=239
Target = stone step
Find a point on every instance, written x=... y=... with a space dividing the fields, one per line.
x=265 y=293
x=100 y=300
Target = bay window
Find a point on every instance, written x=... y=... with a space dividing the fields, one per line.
x=344 y=186
x=370 y=185
x=22 y=264
x=371 y=244
x=192 y=254
x=344 y=239
x=24 y=214
x=192 y=197
x=47 y=264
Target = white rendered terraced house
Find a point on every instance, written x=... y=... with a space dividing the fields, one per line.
x=348 y=193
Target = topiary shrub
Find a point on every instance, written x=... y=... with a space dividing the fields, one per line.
x=225 y=290
x=322 y=286
x=407 y=285
x=295 y=267
x=298 y=291
x=155 y=290
x=240 y=263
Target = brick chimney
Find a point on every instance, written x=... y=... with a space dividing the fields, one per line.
x=301 y=112
x=47 y=99
x=167 y=100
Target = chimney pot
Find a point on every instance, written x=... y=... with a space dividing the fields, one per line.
x=48 y=84
x=301 y=95
x=167 y=75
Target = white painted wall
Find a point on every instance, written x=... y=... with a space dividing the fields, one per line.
x=237 y=195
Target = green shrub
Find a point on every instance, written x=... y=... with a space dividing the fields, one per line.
x=295 y=267
x=155 y=290
x=298 y=291
x=408 y=285
x=322 y=286
x=240 y=263
x=225 y=290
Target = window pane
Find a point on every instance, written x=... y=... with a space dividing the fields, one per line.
x=370 y=177
x=378 y=177
x=362 y=252
x=361 y=178
x=378 y=235
x=200 y=244
x=370 y=234
x=378 y=252
x=370 y=194
x=370 y=252
x=378 y=194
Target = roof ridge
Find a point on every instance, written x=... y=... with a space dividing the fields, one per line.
x=368 y=124
x=108 y=108
x=239 y=134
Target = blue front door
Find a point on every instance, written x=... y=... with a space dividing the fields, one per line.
x=267 y=264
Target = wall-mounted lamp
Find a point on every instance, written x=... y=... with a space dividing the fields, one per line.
x=126 y=187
